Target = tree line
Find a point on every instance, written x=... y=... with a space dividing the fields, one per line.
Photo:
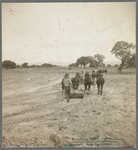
x=121 y=50
x=10 y=64
x=95 y=61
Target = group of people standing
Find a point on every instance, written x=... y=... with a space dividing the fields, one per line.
x=87 y=80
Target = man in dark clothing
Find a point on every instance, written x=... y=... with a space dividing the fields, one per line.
x=86 y=74
x=93 y=75
x=100 y=81
x=99 y=74
x=87 y=81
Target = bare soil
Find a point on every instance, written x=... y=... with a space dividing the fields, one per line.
x=36 y=114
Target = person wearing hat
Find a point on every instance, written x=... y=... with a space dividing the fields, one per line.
x=93 y=75
x=99 y=74
x=87 y=81
x=78 y=76
x=66 y=82
x=86 y=74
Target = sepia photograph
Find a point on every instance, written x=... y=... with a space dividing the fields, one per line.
x=69 y=74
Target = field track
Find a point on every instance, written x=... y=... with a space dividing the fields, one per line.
x=33 y=109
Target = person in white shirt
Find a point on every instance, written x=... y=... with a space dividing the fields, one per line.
x=66 y=83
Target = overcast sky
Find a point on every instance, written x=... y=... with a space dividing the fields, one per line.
x=63 y=32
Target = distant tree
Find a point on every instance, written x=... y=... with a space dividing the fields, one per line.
x=46 y=65
x=101 y=64
x=25 y=65
x=32 y=66
x=73 y=65
x=122 y=51
x=93 y=63
x=83 y=61
x=133 y=48
x=115 y=65
x=87 y=60
x=8 y=64
x=90 y=58
x=54 y=65
x=18 y=66
x=99 y=58
x=132 y=61
x=108 y=65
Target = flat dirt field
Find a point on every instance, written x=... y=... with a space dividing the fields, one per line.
x=36 y=114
